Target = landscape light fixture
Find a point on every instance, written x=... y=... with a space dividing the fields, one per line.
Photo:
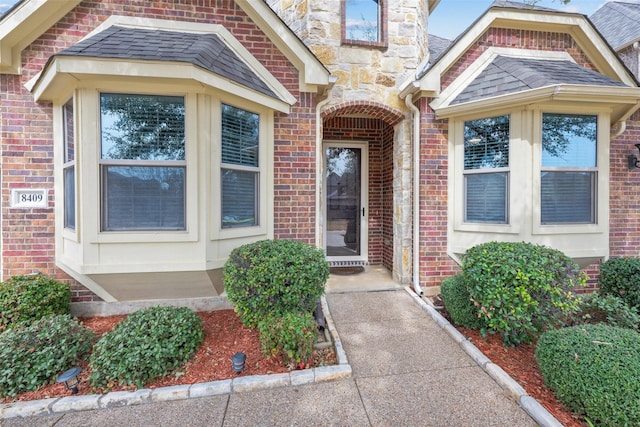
x=633 y=160
x=70 y=379
x=237 y=361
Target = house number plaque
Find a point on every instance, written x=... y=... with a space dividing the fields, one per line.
x=26 y=198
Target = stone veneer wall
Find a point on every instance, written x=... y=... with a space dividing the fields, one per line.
x=27 y=141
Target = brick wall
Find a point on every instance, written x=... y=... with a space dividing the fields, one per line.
x=26 y=130
x=435 y=264
x=516 y=39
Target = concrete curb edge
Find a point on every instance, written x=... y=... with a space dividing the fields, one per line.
x=511 y=387
x=66 y=404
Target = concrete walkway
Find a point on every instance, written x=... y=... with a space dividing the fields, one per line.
x=406 y=371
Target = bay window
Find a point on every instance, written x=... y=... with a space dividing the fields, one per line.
x=142 y=166
x=69 y=165
x=569 y=169
x=486 y=170
x=240 y=170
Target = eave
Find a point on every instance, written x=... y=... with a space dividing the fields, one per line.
x=24 y=24
x=64 y=73
x=623 y=101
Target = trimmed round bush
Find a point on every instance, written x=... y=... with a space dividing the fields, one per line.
x=594 y=370
x=290 y=336
x=621 y=277
x=34 y=355
x=521 y=289
x=149 y=343
x=457 y=301
x=610 y=309
x=24 y=299
x=271 y=278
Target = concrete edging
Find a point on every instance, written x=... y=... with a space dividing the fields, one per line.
x=188 y=391
x=511 y=387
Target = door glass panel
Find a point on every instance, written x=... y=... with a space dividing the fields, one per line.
x=344 y=208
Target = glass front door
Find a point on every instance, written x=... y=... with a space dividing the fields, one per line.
x=345 y=206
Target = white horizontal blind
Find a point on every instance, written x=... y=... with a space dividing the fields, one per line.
x=240 y=167
x=486 y=170
x=569 y=169
x=143 y=168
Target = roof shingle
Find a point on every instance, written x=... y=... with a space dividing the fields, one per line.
x=506 y=75
x=207 y=51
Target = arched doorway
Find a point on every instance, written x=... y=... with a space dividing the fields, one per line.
x=358 y=184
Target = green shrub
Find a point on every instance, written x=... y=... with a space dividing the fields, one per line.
x=270 y=278
x=149 y=343
x=594 y=370
x=621 y=277
x=290 y=336
x=609 y=309
x=29 y=298
x=457 y=301
x=34 y=355
x=520 y=289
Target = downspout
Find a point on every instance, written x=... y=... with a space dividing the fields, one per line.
x=415 y=136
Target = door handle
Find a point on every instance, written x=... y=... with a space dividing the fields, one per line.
x=362 y=211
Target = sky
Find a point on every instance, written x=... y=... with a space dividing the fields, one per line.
x=452 y=17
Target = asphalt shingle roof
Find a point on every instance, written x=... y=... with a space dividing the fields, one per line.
x=207 y=51
x=437 y=46
x=618 y=22
x=505 y=75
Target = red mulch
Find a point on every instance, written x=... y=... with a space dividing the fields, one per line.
x=224 y=335
x=520 y=363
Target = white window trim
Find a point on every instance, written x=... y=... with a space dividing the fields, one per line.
x=602 y=174
x=579 y=241
x=265 y=172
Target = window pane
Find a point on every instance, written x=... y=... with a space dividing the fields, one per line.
x=69 y=132
x=69 y=198
x=569 y=140
x=486 y=143
x=362 y=20
x=142 y=127
x=143 y=198
x=486 y=197
x=239 y=198
x=568 y=198
x=240 y=136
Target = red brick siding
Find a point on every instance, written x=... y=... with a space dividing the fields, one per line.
x=435 y=264
x=26 y=130
x=295 y=173
x=516 y=39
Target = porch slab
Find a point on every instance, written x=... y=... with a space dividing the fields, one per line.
x=374 y=278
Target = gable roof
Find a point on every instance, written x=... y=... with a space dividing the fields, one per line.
x=505 y=75
x=619 y=23
x=506 y=14
x=204 y=50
